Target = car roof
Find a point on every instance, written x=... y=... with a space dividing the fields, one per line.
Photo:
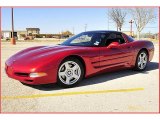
x=104 y=31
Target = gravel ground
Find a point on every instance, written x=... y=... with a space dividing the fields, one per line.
x=146 y=100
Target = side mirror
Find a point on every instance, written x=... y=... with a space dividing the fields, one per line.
x=113 y=45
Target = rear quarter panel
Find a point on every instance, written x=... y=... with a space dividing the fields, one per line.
x=143 y=44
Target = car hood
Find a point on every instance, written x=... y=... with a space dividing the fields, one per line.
x=41 y=51
x=36 y=56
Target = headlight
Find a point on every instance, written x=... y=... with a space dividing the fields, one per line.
x=40 y=74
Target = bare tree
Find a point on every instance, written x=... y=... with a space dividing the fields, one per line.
x=118 y=16
x=142 y=16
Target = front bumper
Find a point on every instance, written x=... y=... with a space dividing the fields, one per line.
x=24 y=77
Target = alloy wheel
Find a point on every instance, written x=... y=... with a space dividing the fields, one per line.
x=142 y=60
x=69 y=72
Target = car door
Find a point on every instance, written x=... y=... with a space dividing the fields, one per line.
x=127 y=50
x=115 y=57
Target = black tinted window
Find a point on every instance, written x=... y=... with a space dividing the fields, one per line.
x=114 y=37
x=120 y=39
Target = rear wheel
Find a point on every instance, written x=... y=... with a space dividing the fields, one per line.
x=141 y=61
x=70 y=72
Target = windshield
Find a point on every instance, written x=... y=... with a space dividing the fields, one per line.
x=85 y=39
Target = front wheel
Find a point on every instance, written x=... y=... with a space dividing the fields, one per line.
x=141 y=61
x=70 y=72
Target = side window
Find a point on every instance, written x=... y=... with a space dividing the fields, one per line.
x=114 y=37
x=111 y=38
x=98 y=38
x=120 y=39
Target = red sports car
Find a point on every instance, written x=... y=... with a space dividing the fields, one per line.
x=80 y=56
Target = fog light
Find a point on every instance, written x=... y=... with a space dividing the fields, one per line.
x=40 y=74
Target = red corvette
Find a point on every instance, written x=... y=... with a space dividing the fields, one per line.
x=83 y=55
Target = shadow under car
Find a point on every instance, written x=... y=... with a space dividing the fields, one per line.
x=99 y=78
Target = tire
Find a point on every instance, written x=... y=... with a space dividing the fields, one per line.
x=141 y=60
x=70 y=72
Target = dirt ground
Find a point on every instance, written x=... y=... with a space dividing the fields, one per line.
x=49 y=98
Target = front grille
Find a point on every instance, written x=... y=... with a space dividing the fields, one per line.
x=22 y=74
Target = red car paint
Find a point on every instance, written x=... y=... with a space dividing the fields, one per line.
x=96 y=60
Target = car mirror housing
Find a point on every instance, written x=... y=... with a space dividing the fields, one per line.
x=113 y=45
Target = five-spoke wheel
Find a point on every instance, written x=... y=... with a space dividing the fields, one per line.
x=142 y=60
x=70 y=72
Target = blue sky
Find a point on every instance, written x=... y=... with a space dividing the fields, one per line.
x=55 y=20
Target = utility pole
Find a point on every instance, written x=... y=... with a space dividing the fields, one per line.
x=131 y=22
x=12 y=39
x=85 y=27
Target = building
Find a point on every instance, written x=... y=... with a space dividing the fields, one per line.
x=7 y=34
x=33 y=31
x=20 y=34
